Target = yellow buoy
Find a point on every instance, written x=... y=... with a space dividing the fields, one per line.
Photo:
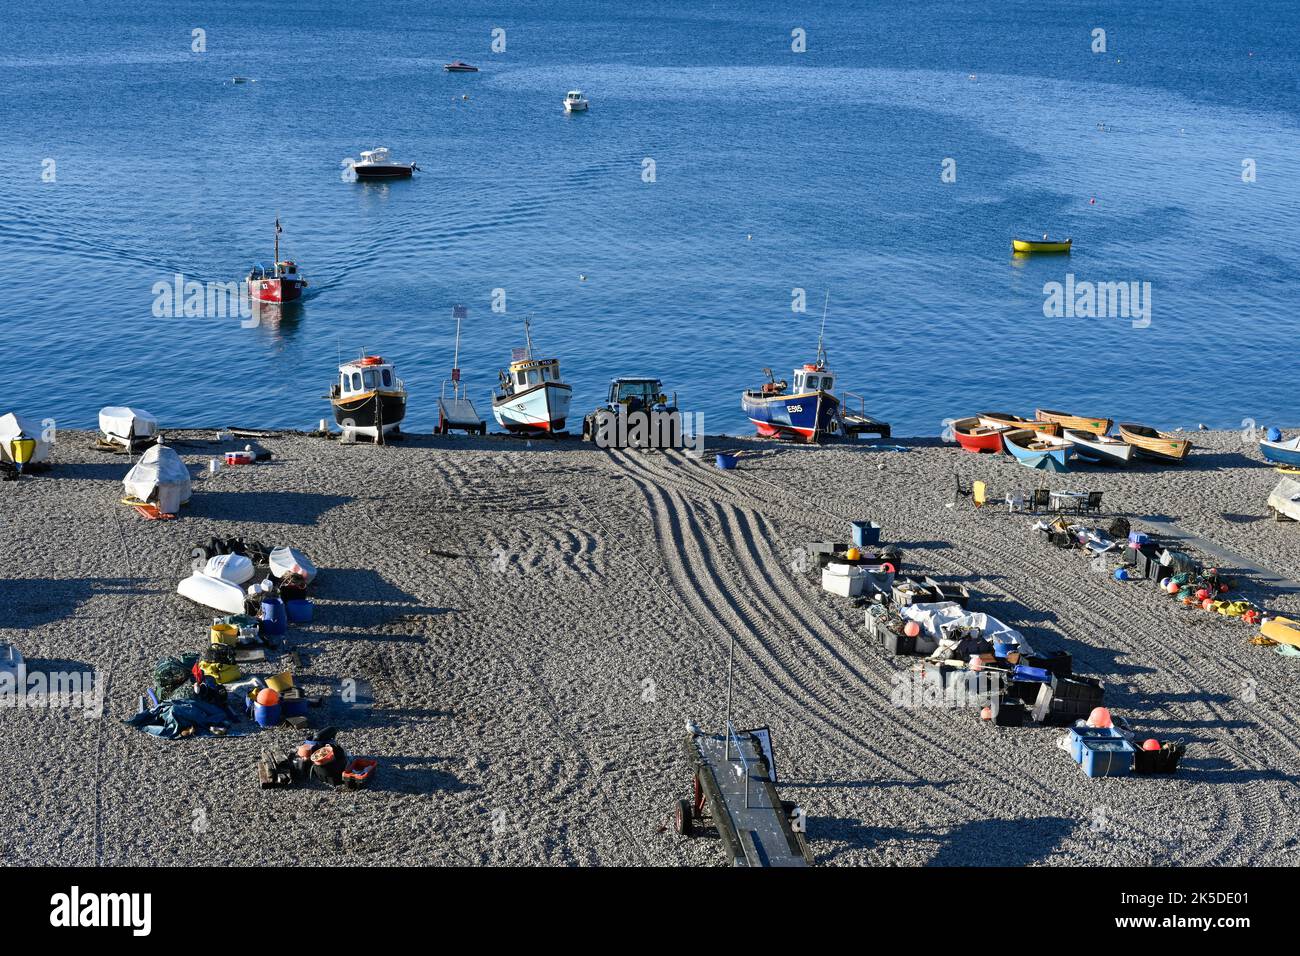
x=854 y=554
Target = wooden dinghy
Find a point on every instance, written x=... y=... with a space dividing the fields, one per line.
x=1037 y=449
x=1102 y=449
x=1153 y=444
x=975 y=436
x=1282 y=629
x=1007 y=420
x=1098 y=426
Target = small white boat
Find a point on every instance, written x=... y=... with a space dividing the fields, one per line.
x=285 y=561
x=127 y=427
x=1101 y=449
x=575 y=102
x=232 y=568
x=532 y=397
x=377 y=163
x=212 y=592
x=21 y=441
x=159 y=478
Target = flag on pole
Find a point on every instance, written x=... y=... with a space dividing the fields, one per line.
x=459 y=312
x=277 y=225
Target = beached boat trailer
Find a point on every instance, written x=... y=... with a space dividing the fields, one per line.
x=735 y=789
x=859 y=422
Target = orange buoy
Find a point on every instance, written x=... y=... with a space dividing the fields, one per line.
x=853 y=554
x=1151 y=744
x=986 y=713
x=267 y=697
x=912 y=629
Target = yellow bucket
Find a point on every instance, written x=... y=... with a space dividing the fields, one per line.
x=225 y=634
x=280 y=682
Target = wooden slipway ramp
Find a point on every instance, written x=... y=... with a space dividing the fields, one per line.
x=805 y=668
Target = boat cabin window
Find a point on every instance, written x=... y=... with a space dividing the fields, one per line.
x=826 y=382
x=387 y=375
x=521 y=378
x=369 y=376
x=356 y=381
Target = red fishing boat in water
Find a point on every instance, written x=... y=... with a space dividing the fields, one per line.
x=282 y=283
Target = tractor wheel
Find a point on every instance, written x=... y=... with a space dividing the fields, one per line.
x=683 y=821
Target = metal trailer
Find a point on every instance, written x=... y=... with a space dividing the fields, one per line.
x=734 y=788
x=1284 y=500
x=457 y=412
x=859 y=422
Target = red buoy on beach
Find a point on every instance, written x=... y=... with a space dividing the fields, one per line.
x=1100 y=717
x=1151 y=744
x=912 y=629
x=1173 y=588
x=986 y=713
x=1208 y=604
x=1202 y=594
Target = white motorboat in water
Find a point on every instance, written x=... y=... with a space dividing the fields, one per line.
x=127 y=427
x=575 y=102
x=532 y=398
x=378 y=163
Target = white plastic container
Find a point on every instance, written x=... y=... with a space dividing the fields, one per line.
x=846 y=580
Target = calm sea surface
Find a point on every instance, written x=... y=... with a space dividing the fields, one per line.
x=772 y=171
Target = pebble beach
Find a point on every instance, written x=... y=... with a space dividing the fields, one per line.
x=519 y=631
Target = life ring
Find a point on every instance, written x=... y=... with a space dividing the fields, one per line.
x=372 y=360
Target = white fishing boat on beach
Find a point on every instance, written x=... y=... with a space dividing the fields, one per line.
x=532 y=398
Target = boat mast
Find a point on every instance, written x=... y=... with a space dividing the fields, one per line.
x=821 y=351
x=277 y=244
x=528 y=337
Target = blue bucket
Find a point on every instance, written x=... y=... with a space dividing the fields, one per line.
x=267 y=716
x=727 y=462
x=274 y=619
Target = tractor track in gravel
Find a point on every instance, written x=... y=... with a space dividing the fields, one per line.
x=836 y=674
x=1235 y=824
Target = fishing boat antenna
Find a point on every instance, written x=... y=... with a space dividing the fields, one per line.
x=528 y=335
x=821 y=336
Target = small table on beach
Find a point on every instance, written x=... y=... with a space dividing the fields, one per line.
x=1068 y=500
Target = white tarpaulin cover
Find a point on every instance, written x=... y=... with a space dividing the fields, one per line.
x=121 y=422
x=1286 y=498
x=161 y=478
x=292 y=561
x=11 y=427
x=937 y=619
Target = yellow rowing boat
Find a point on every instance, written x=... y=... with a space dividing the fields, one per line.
x=1041 y=245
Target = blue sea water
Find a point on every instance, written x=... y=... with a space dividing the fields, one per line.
x=773 y=171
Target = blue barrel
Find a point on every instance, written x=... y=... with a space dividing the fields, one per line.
x=726 y=462
x=267 y=716
x=275 y=621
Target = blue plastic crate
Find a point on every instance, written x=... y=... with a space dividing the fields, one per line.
x=1079 y=734
x=1107 y=758
x=866 y=534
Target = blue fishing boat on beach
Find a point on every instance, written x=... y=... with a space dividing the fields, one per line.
x=1035 y=449
x=804 y=411
x=1282 y=452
